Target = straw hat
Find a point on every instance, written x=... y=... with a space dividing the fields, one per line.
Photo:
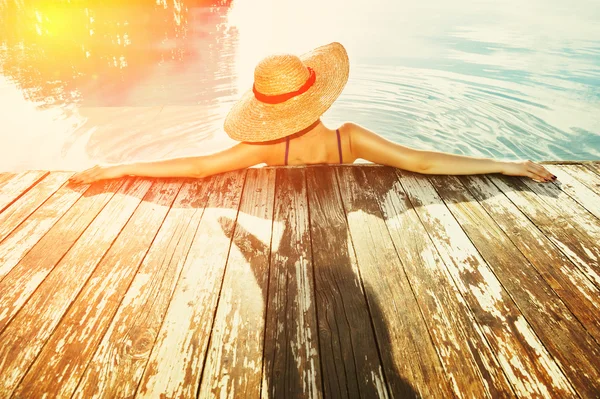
x=289 y=94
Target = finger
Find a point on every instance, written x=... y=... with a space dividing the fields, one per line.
x=82 y=177
x=76 y=178
x=533 y=173
x=92 y=177
x=79 y=176
x=540 y=170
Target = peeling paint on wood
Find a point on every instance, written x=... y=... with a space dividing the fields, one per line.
x=25 y=273
x=561 y=334
x=33 y=325
x=411 y=365
x=467 y=359
x=291 y=365
x=176 y=360
x=574 y=288
x=527 y=366
x=31 y=232
x=4 y=177
x=61 y=363
x=118 y=364
x=12 y=189
x=234 y=364
x=580 y=217
x=74 y=303
x=594 y=167
x=556 y=224
x=575 y=189
x=584 y=175
x=29 y=202
x=351 y=365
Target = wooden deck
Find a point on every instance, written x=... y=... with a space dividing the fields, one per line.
x=352 y=281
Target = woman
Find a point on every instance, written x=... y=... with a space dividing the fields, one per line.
x=278 y=123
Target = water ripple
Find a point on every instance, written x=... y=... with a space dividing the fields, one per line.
x=463 y=114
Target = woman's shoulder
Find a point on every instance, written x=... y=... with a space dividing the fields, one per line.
x=354 y=132
x=351 y=129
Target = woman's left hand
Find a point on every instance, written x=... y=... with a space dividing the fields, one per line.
x=528 y=168
x=96 y=173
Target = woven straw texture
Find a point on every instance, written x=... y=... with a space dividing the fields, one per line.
x=254 y=121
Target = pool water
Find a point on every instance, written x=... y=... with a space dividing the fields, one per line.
x=84 y=83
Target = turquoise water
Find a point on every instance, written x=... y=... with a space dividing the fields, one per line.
x=86 y=84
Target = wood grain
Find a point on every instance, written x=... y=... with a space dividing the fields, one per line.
x=468 y=360
x=411 y=365
x=575 y=189
x=556 y=224
x=61 y=363
x=175 y=364
x=32 y=326
x=30 y=233
x=15 y=214
x=4 y=177
x=580 y=217
x=233 y=367
x=565 y=278
x=585 y=176
x=562 y=335
x=19 y=184
x=306 y=291
x=23 y=274
x=118 y=364
x=526 y=363
x=291 y=365
x=350 y=360
x=594 y=167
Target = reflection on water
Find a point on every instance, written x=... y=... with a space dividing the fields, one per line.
x=96 y=81
x=56 y=52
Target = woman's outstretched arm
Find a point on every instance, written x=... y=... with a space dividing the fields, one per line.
x=240 y=156
x=372 y=147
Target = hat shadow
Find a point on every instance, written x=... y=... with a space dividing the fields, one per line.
x=344 y=307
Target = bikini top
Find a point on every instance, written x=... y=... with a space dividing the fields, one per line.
x=339 y=142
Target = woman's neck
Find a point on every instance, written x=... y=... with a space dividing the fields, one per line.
x=315 y=130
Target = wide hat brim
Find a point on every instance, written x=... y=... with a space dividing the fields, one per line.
x=254 y=121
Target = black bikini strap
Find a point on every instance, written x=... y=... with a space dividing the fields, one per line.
x=337 y=131
x=287 y=148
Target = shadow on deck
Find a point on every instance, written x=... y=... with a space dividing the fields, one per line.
x=351 y=281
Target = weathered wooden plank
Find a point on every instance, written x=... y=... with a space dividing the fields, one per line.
x=14 y=215
x=350 y=361
x=562 y=335
x=467 y=358
x=567 y=162
x=578 y=191
x=585 y=176
x=550 y=218
x=27 y=261
x=291 y=365
x=13 y=188
x=568 y=281
x=25 y=336
x=118 y=364
x=234 y=362
x=526 y=363
x=27 y=234
x=580 y=217
x=175 y=364
x=411 y=365
x=61 y=363
x=4 y=177
x=594 y=167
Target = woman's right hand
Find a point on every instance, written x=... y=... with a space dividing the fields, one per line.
x=527 y=168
